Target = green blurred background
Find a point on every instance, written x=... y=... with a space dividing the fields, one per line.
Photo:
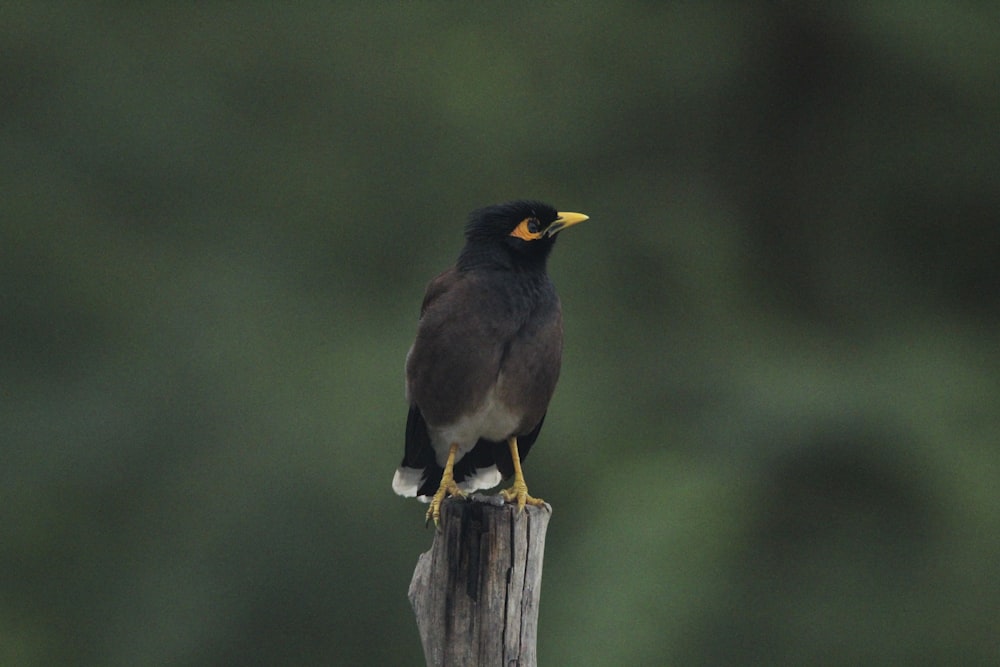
x=775 y=437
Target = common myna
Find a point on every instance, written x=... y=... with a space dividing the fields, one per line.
x=485 y=362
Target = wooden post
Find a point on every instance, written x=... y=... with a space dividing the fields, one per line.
x=475 y=593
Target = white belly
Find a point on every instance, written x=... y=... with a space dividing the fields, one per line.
x=492 y=420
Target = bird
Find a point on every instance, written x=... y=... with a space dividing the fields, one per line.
x=486 y=359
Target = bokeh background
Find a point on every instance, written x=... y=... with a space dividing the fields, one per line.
x=775 y=437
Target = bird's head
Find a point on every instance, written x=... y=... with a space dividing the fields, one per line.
x=524 y=230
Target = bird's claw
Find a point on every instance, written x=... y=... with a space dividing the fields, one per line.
x=518 y=492
x=447 y=488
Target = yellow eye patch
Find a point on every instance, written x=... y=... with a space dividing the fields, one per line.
x=528 y=230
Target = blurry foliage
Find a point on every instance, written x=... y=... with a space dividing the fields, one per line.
x=775 y=439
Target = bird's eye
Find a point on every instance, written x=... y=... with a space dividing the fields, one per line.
x=529 y=229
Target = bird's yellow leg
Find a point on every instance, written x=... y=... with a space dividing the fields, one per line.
x=519 y=489
x=448 y=487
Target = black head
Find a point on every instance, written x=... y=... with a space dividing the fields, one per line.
x=515 y=233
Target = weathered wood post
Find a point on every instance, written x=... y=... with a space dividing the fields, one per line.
x=475 y=593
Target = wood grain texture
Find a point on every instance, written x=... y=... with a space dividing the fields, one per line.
x=475 y=593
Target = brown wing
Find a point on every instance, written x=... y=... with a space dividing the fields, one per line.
x=438 y=286
x=461 y=339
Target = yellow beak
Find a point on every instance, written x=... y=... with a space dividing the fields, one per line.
x=565 y=220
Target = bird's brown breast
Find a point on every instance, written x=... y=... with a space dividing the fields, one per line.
x=486 y=338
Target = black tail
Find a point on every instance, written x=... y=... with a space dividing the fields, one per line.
x=419 y=453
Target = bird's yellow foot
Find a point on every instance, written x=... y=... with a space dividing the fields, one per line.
x=447 y=488
x=518 y=492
